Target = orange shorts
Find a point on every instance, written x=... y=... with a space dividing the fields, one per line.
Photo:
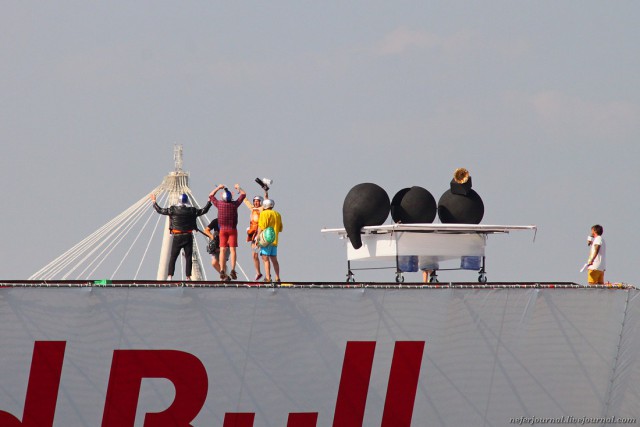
x=228 y=238
x=595 y=277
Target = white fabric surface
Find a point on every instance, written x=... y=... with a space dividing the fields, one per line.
x=490 y=355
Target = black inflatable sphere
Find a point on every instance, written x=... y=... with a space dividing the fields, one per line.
x=458 y=209
x=365 y=204
x=414 y=205
x=460 y=204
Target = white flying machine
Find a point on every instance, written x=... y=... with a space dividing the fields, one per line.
x=434 y=242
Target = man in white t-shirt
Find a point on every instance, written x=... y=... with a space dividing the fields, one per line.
x=597 y=262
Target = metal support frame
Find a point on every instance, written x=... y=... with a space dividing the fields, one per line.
x=433 y=277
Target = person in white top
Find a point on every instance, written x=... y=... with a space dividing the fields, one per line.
x=597 y=262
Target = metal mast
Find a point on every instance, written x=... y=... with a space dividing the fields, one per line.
x=96 y=254
x=175 y=184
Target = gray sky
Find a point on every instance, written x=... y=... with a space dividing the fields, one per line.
x=539 y=100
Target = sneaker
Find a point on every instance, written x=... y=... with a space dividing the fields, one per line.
x=267 y=280
x=233 y=274
x=223 y=276
x=258 y=277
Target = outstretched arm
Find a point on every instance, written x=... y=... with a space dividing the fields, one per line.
x=242 y=195
x=205 y=209
x=212 y=195
x=161 y=211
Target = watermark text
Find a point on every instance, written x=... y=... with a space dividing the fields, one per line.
x=567 y=419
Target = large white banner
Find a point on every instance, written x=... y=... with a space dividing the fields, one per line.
x=298 y=357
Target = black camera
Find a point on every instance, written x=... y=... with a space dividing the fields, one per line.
x=264 y=183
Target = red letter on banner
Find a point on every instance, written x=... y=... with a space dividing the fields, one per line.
x=302 y=419
x=42 y=390
x=129 y=367
x=403 y=384
x=354 y=384
x=238 y=419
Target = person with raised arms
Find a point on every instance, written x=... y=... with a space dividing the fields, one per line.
x=228 y=222
x=182 y=223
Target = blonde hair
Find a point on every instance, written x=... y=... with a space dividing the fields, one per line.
x=461 y=175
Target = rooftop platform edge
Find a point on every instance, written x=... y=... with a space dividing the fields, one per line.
x=309 y=285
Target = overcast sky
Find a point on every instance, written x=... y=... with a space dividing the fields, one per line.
x=539 y=100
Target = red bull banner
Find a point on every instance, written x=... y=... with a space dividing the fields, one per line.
x=307 y=357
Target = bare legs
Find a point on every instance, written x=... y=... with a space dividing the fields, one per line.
x=214 y=263
x=256 y=261
x=425 y=275
x=233 y=259
x=223 y=261
x=268 y=260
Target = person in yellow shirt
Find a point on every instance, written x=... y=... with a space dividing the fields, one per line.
x=269 y=254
